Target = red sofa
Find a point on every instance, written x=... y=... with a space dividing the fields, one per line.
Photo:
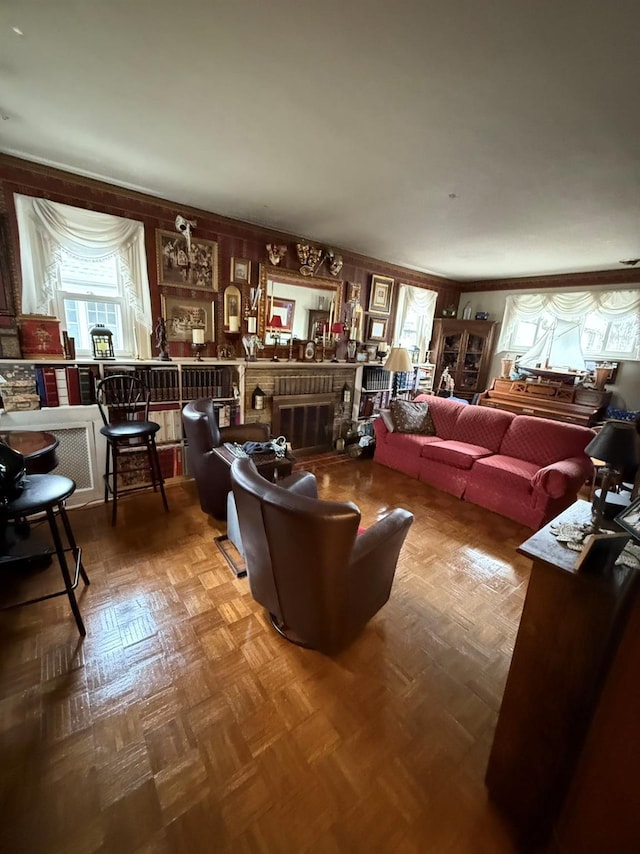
x=528 y=469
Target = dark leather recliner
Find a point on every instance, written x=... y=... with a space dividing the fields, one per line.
x=212 y=475
x=320 y=581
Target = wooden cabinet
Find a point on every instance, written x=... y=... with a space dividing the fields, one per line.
x=465 y=348
x=569 y=635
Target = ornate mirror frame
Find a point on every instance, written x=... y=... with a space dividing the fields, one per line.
x=268 y=273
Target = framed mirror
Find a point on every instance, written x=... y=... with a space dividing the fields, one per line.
x=296 y=299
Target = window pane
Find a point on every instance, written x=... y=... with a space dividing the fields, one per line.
x=525 y=334
x=109 y=315
x=622 y=336
x=84 y=276
x=72 y=322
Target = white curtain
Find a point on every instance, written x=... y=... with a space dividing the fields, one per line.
x=422 y=303
x=46 y=228
x=609 y=305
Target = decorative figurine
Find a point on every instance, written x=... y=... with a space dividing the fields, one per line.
x=161 y=340
x=276 y=251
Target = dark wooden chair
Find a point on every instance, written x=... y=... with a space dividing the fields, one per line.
x=42 y=493
x=124 y=406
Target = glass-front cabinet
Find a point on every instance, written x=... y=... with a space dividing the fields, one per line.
x=465 y=348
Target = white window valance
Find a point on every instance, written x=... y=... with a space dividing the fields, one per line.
x=47 y=228
x=608 y=305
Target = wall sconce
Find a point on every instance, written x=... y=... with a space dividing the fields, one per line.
x=101 y=342
x=346 y=394
x=276 y=252
x=257 y=398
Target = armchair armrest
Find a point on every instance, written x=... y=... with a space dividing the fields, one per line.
x=564 y=477
x=301 y=483
x=241 y=433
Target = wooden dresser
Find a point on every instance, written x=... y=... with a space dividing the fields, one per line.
x=548 y=399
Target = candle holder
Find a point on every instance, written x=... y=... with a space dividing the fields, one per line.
x=198 y=349
x=198 y=344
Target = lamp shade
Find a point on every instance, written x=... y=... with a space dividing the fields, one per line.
x=616 y=444
x=398 y=360
x=276 y=322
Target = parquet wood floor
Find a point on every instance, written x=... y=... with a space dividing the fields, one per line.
x=184 y=723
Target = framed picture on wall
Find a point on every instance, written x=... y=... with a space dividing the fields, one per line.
x=240 y=271
x=182 y=266
x=285 y=310
x=380 y=294
x=377 y=329
x=181 y=314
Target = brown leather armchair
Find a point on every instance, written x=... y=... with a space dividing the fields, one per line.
x=210 y=472
x=320 y=581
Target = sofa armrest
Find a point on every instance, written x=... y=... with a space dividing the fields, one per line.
x=380 y=430
x=564 y=477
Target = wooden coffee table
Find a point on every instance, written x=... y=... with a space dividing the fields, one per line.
x=271 y=467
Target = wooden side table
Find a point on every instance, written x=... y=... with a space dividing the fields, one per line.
x=568 y=635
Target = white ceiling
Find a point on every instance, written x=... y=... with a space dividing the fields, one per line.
x=468 y=139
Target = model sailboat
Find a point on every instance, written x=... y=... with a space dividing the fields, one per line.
x=557 y=355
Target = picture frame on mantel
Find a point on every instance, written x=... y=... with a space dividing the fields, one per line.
x=182 y=267
x=181 y=314
x=381 y=294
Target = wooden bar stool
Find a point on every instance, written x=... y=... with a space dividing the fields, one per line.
x=124 y=406
x=43 y=493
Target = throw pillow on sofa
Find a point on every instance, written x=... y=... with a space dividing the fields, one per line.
x=411 y=417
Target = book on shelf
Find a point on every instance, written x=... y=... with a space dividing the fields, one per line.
x=73 y=385
x=46 y=380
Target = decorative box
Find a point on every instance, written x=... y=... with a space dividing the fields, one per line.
x=40 y=337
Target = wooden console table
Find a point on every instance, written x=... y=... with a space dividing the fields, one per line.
x=568 y=636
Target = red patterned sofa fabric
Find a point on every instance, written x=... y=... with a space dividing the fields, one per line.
x=458 y=454
x=479 y=425
x=444 y=412
x=541 y=441
x=528 y=469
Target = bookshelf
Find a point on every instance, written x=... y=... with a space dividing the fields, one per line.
x=64 y=394
x=374 y=386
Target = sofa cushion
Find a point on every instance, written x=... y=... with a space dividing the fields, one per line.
x=461 y=455
x=542 y=441
x=479 y=425
x=444 y=413
x=412 y=443
x=412 y=417
x=504 y=474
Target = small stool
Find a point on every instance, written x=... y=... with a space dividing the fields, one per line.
x=44 y=493
x=124 y=406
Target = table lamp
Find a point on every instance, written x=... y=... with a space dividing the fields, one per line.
x=397 y=361
x=617 y=446
x=275 y=324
